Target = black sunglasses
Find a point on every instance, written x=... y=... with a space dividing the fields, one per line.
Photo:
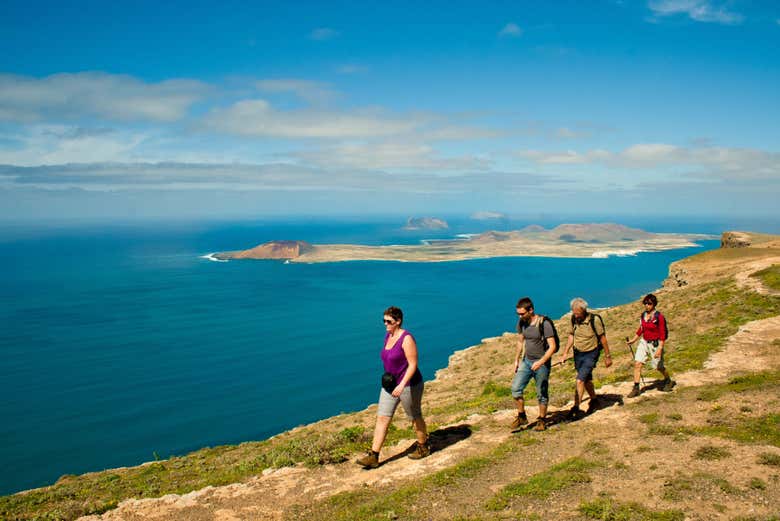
x=389 y=321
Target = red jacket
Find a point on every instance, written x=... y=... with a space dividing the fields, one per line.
x=653 y=329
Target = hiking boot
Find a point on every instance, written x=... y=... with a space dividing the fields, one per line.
x=540 y=426
x=421 y=451
x=521 y=419
x=668 y=385
x=574 y=413
x=369 y=461
x=634 y=392
x=593 y=405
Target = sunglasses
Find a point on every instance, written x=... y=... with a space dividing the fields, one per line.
x=647 y=303
x=388 y=321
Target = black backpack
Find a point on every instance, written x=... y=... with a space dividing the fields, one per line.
x=541 y=331
x=594 y=316
x=655 y=320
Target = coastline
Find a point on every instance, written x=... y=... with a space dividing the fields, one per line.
x=476 y=400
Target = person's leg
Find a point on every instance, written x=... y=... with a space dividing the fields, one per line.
x=580 y=393
x=578 y=384
x=380 y=432
x=637 y=372
x=591 y=389
x=519 y=382
x=411 y=399
x=542 y=380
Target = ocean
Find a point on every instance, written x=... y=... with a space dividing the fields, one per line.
x=121 y=343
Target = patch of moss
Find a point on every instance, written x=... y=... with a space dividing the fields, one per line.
x=770 y=277
x=764 y=429
x=541 y=485
x=711 y=452
x=768 y=458
x=605 y=509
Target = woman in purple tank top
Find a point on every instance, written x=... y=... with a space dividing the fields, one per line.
x=399 y=356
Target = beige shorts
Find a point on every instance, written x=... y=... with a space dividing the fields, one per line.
x=645 y=350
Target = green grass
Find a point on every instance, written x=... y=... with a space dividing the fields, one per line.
x=768 y=458
x=711 y=452
x=681 y=486
x=768 y=380
x=764 y=429
x=770 y=277
x=541 y=485
x=373 y=505
x=721 y=304
x=75 y=496
x=604 y=509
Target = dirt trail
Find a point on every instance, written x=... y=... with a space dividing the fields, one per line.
x=267 y=497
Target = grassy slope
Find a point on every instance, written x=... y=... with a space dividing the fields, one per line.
x=701 y=318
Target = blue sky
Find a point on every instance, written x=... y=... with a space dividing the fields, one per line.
x=196 y=109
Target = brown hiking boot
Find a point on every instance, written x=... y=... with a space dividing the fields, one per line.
x=421 y=451
x=668 y=385
x=369 y=461
x=521 y=419
x=634 y=392
x=540 y=426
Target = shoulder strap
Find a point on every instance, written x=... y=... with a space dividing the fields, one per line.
x=593 y=317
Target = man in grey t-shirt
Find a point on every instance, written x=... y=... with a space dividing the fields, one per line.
x=535 y=347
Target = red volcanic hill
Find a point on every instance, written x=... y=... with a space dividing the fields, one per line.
x=274 y=250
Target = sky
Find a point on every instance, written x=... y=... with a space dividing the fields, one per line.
x=124 y=110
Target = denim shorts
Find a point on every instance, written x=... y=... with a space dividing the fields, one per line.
x=585 y=362
x=524 y=374
x=411 y=399
x=647 y=350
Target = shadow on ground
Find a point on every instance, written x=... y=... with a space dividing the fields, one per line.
x=588 y=407
x=439 y=439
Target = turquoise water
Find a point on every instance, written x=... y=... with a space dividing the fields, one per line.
x=121 y=342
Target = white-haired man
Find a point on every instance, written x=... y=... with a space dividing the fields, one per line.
x=588 y=337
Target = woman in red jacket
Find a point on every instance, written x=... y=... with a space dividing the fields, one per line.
x=652 y=335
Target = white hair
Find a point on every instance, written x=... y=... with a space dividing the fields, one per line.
x=578 y=303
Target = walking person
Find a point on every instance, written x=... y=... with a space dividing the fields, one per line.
x=652 y=334
x=536 y=344
x=588 y=337
x=402 y=383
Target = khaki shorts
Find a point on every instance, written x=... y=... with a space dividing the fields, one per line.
x=647 y=350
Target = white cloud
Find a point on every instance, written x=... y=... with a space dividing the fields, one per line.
x=323 y=33
x=279 y=177
x=390 y=156
x=58 y=144
x=511 y=30
x=258 y=118
x=311 y=91
x=95 y=94
x=698 y=10
x=706 y=162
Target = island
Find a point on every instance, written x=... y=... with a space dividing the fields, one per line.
x=598 y=240
x=425 y=223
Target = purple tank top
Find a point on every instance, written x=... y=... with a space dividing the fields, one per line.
x=394 y=359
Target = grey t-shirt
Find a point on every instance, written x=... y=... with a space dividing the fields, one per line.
x=535 y=344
